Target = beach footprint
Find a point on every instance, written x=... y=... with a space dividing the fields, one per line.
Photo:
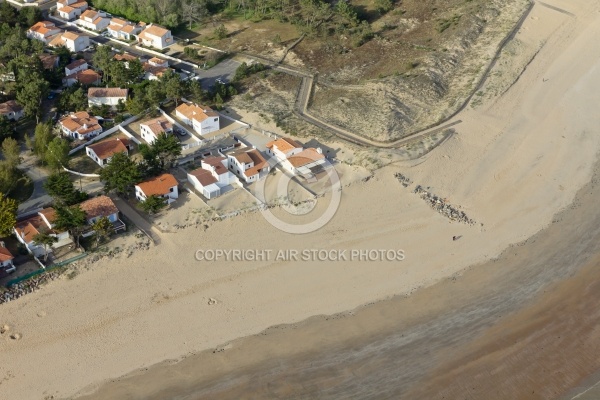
x=4 y=329
x=16 y=336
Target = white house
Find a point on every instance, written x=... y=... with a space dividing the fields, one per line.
x=80 y=125
x=43 y=221
x=122 y=29
x=295 y=159
x=43 y=30
x=155 y=36
x=76 y=66
x=11 y=110
x=154 y=127
x=248 y=164
x=6 y=259
x=71 y=40
x=212 y=176
x=70 y=9
x=164 y=185
x=103 y=151
x=94 y=20
x=201 y=118
x=86 y=78
x=110 y=96
x=98 y=207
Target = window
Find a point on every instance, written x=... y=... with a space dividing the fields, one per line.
x=171 y=190
x=216 y=119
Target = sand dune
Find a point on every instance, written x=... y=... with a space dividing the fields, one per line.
x=515 y=162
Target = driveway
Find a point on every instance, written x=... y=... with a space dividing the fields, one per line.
x=135 y=217
x=39 y=198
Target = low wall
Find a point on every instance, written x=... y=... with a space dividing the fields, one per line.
x=108 y=133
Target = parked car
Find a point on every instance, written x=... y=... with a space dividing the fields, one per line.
x=219 y=80
x=180 y=132
x=51 y=96
x=105 y=34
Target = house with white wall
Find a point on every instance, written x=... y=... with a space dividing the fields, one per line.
x=70 y=9
x=80 y=125
x=43 y=31
x=76 y=66
x=85 y=78
x=283 y=148
x=103 y=151
x=164 y=186
x=98 y=207
x=11 y=110
x=43 y=221
x=201 y=118
x=6 y=259
x=213 y=176
x=93 y=20
x=71 y=40
x=248 y=164
x=150 y=130
x=294 y=158
x=122 y=29
x=155 y=36
x=109 y=96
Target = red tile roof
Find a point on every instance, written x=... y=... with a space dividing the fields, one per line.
x=107 y=92
x=109 y=147
x=101 y=206
x=204 y=177
x=5 y=254
x=158 y=185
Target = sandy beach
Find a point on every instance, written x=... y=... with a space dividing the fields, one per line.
x=515 y=166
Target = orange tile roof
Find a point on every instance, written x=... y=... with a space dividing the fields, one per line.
x=43 y=27
x=124 y=57
x=216 y=163
x=85 y=77
x=76 y=63
x=109 y=147
x=129 y=28
x=196 y=112
x=80 y=122
x=259 y=163
x=284 y=144
x=306 y=156
x=154 y=30
x=79 y=4
x=48 y=60
x=10 y=106
x=158 y=125
x=101 y=206
x=91 y=14
x=30 y=227
x=67 y=9
x=204 y=177
x=5 y=254
x=49 y=213
x=71 y=35
x=107 y=92
x=157 y=60
x=158 y=185
x=154 y=70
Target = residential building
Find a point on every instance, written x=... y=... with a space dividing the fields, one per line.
x=248 y=164
x=294 y=158
x=164 y=185
x=150 y=130
x=122 y=29
x=213 y=177
x=155 y=36
x=6 y=259
x=87 y=77
x=94 y=20
x=98 y=207
x=152 y=72
x=201 y=118
x=103 y=151
x=43 y=221
x=70 y=9
x=80 y=125
x=71 y=40
x=125 y=57
x=49 y=61
x=11 y=110
x=76 y=66
x=157 y=62
x=110 y=96
x=43 y=30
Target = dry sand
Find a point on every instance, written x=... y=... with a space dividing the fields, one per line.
x=514 y=163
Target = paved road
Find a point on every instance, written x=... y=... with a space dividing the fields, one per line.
x=39 y=198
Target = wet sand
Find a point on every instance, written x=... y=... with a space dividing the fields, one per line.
x=524 y=326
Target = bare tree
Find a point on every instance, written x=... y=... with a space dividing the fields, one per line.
x=193 y=11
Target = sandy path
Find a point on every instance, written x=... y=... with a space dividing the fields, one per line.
x=511 y=167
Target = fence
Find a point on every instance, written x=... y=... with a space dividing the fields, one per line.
x=42 y=270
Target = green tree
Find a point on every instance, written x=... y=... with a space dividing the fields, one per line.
x=64 y=56
x=137 y=104
x=103 y=59
x=8 y=215
x=383 y=6
x=60 y=187
x=8 y=13
x=153 y=204
x=30 y=95
x=120 y=174
x=160 y=155
x=195 y=90
x=155 y=93
x=28 y=16
x=7 y=127
x=173 y=85
x=220 y=32
x=72 y=219
x=46 y=241
x=41 y=139
x=11 y=152
x=9 y=177
x=57 y=155
x=135 y=71
x=102 y=229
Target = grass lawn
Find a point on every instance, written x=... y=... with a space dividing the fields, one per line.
x=82 y=163
x=23 y=188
